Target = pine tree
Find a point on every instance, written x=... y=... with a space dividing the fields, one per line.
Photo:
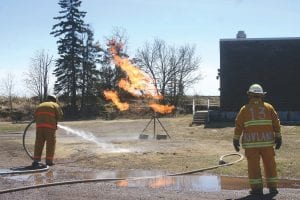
x=90 y=74
x=69 y=29
x=109 y=73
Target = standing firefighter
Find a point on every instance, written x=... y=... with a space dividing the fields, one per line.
x=259 y=125
x=47 y=115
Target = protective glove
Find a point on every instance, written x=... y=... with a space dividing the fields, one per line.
x=278 y=142
x=236 y=144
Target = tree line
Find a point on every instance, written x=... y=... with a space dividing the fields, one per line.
x=84 y=68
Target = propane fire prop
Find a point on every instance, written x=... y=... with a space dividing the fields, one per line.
x=154 y=118
x=137 y=83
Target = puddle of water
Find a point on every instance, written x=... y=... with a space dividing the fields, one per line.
x=149 y=179
x=193 y=183
x=36 y=178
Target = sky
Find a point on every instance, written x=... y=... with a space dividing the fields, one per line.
x=26 y=24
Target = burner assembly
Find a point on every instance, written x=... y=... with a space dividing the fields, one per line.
x=138 y=84
x=155 y=119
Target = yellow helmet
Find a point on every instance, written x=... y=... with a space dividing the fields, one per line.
x=256 y=89
x=52 y=98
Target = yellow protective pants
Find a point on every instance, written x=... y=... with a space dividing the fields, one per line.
x=44 y=135
x=254 y=172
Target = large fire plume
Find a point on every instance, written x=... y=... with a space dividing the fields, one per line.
x=163 y=109
x=114 y=97
x=138 y=83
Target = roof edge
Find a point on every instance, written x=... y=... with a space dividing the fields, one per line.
x=253 y=39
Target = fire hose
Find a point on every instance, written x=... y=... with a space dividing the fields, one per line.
x=24 y=136
x=222 y=163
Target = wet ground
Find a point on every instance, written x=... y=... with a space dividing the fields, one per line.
x=116 y=149
x=141 y=179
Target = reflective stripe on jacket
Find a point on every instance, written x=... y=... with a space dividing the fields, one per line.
x=257 y=123
x=47 y=115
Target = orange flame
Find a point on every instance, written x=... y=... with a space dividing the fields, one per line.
x=163 y=109
x=113 y=95
x=137 y=84
x=162 y=182
x=122 y=183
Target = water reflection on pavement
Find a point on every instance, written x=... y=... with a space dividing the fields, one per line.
x=146 y=179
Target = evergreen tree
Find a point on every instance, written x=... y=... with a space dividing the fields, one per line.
x=69 y=30
x=90 y=75
x=109 y=73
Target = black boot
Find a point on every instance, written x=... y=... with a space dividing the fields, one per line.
x=36 y=163
x=256 y=192
x=273 y=191
x=49 y=163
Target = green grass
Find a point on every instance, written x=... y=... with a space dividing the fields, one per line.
x=8 y=127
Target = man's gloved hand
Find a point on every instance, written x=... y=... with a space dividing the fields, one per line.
x=278 y=142
x=236 y=144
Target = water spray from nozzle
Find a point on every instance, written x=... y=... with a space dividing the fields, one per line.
x=88 y=136
x=83 y=134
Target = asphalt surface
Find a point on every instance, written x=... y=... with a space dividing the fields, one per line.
x=110 y=191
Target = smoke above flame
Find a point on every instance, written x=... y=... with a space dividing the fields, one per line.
x=138 y=83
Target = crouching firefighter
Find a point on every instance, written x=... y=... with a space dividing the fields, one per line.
x=46 y=116
x=258 y=124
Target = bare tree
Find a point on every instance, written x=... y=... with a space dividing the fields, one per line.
x=154 y=59
x=172 y=69
x=187 y=72
x=109 y=73
x=37 y=78
x=8 y=88
x=119 y=35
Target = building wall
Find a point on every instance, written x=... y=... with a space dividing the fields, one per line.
x=273 y=63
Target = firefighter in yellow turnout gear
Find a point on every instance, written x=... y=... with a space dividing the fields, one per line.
x=258 y=125
x=47 y=115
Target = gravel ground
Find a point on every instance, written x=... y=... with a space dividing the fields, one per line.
x=109 y=191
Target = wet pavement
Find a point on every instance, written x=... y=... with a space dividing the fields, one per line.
x=143 y=179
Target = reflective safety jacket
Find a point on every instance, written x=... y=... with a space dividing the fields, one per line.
x=258 y=124
x=47 y=115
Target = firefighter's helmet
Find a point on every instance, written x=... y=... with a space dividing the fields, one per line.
x=52 y=98
x=256 y=89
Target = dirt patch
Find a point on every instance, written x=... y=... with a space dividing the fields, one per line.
x=119 y=146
